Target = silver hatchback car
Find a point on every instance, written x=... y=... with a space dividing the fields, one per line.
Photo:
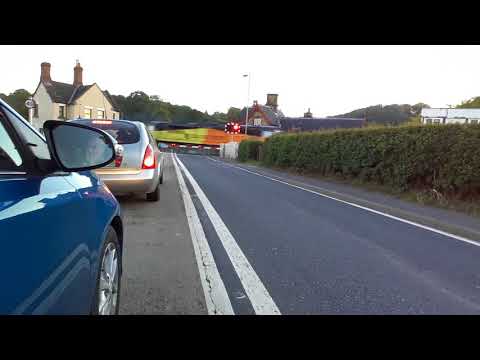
x=140 y=168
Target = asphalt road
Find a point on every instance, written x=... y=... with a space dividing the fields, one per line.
x=315 y=255
x=160 y=271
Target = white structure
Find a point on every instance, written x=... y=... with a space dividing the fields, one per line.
x=450 y=116
x=229 y=150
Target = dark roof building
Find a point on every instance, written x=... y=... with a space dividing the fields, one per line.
x=67 y=93
x=314 y=124
x=269 y=115
x=262 y=115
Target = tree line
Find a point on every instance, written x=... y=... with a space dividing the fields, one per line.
x=393 y=114
x=470 y=103
x=138 y=106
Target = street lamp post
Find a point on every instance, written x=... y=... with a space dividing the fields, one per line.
x=248 y=101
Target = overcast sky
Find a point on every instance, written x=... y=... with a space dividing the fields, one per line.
x=329 y=79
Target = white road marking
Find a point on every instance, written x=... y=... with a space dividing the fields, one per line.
x=444 y=233
x=216 y=296
x=261 y=300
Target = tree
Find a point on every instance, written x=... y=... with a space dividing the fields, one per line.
x=141 y=107
x=155 y=98
x=233 y=113
x=219 y=116
x=17 y=101
x=393 y=114
x=470 y=103
x=417 y=108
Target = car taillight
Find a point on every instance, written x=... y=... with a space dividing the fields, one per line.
x=149 y=158
x=118 y=160
x=118 y=155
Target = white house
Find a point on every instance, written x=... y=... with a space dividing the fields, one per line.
x=450 y=116
x=62 y=101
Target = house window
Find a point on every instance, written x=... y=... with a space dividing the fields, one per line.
x=61 y=111
x=88 y=113
x=113 y=116
x=257 y=121
x=436 y=121
x=474 y=121
x=429 y=121
x=100 y=114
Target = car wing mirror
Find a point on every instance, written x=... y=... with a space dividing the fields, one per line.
x=77 y=147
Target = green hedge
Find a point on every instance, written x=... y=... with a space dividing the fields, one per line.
x=445 y=157
x=249 y=150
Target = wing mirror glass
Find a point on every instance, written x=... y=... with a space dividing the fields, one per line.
x=77 y=147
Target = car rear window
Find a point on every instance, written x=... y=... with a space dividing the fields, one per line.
x=123 y=132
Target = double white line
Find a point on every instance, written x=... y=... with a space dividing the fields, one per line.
x=216 y=295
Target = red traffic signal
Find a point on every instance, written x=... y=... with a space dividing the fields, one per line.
x=232 y=128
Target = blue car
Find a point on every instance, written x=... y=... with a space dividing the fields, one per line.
x=61 y=232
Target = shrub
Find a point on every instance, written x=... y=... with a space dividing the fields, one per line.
x=249 y=150
x=446 y=157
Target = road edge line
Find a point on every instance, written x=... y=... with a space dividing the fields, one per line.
x=410 y=222
x=216 y=295
x=258 y=295
x=459 y=230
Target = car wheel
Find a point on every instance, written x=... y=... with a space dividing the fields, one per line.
x=155 y=195
x=107 y=293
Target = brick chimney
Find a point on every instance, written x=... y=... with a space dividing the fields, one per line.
x=272 y=101
x=77 y=75
x=45 y=73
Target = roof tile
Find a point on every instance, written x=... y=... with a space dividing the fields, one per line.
x=67 y=93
